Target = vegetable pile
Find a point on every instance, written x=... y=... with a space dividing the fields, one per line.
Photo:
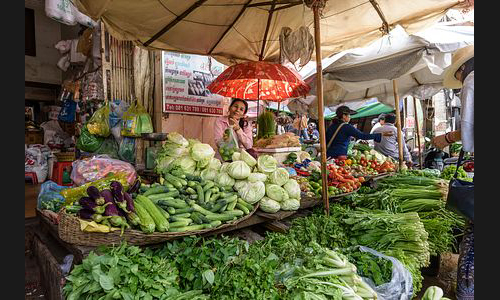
x=449 y=172
x=367 y=162
x=284 y=140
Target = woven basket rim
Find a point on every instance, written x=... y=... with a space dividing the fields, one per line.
x=69 y=231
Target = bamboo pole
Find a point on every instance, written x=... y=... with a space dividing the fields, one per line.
x=321 y=121
x=398 y=123
x=418 y=132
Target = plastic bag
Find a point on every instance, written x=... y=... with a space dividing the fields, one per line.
x=117 y=109
x=99 y=122
x=109 y=147
x=126 y=151
x=400 y=287
x=228 y=145
x=36 y=161
x=67 y=264
x=68 y=110
x=50 y=197
x=88 y=142
x=136 y=121
x=75 y=193
x=97 y=167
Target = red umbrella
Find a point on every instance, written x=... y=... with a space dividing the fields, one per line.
x=259 y=80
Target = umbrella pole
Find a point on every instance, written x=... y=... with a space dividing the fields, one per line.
x=398 y=123
x=321 y=117
x=418 y=132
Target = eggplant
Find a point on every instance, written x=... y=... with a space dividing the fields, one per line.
x=117 y=191
x=135 y=187
x=86 y=214
x=131 y=215
x=93 y=193
x=117 y=217
x=87 y=202
x=130 y=202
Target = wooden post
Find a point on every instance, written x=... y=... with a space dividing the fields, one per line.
x=321 y=117
x=417 y=128
x=398 y=123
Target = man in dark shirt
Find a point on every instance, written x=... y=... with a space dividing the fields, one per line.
x=337 y=148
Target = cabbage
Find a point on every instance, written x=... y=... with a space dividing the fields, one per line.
x=276 y=192
x=163 y=163
x=257 y=177
x=185 y=163
x=214 y=164
x=192 y=142
x=178 y=139
x=202 y=164
x=173 y=149
x=303 y=155
x=252 y=192
x=269 y=205
x=235 y=156
x=223 y=167
x=224 y=180
x=279 y=177
x=196 y=173
x=290 y=204
x=238 y=170
x=209 y=174
x=246 y=157
x=201 y=151
x=239 y=184
x=292 y=187
x=267 y=163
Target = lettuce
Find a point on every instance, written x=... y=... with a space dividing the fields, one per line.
x=235 y=156
x=279 y=177
x=276 y=192
x=292 y=187
x=201 y=152
x=246 y=157
x=267 y=163
x=224 y=180
x=239 y=184
x=214 y=164
x=178 y=139
x=252 y=192
x=269 y=205
x=185 y=163
x=290 y=204
x=257 y=177
x=238 y=170
x=209 y=174
x=223 y=167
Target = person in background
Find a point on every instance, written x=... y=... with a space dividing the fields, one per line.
x=388 y=146
x=236 y=119
x=378 y=122
x=312 y=131
x=300 y=123
x=337 y=145
x=460 y=75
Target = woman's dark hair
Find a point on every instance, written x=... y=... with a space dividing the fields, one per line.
x=243 y=123
x=469 y=67
x=390 y=118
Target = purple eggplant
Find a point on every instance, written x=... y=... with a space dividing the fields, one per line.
x=117 y=217
x=86 y=213
x=87 y=202
x=131 y=215
x=130 y=202
x=117 y=191
x=93 y=193
x=135 y=187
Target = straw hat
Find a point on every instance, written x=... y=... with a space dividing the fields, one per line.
x=461 y=56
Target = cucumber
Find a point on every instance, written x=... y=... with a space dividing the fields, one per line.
x=242 y=208
x=191 y=183
x=218 y=206
x=193 y=178
x=191 y=191
x=202 y=210
x=183 y=215
x=165 y=214
x=175 y=203
x=170 y=194
x=220 y=217
x=169 y=185
x=201 y=195
x=207 y=196
x=213 y=224
x=215 y=197
x=195 y=216
x=234 y=213
x=244 y=203
x=223 y=208
x=171 y=210
x=183 y=210
x=231 y=205
x=180 y=223
x=156 y=190
x=175 y=181
x=188 y=228
x=193 y=197
x=144 y=187
x=178 y=219
x=215 y=190
x=208 y=185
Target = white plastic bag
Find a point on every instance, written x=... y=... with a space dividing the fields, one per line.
x=61 y=10
x=35 y=160
x=401 y=285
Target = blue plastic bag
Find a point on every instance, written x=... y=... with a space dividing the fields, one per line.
x=50 y=197
x=68 y=110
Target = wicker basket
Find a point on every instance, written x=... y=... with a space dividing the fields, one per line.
x=65 y=156
x=69 y=231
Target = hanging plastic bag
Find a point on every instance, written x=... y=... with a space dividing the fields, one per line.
x=228 y=145
x=68 y=110
x=126 y=151
x=400 y=287
x=88 y=142
x=97 y=167
x=99 y=122
x=136 y=121
x=108 y=147
x=117 y=109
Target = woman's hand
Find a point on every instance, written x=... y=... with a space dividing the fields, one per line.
x=234 y=124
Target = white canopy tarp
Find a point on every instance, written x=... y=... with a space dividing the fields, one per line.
x=416 y=62
x=234 y=30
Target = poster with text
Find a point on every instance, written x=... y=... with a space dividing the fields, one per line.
x=185 y=81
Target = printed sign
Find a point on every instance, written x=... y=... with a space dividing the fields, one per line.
x=185 y=81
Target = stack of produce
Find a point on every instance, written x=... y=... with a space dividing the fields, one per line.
x=340 y=181
x=267 y=125
x=284 y=140
x=363 y=163
x=449 y=172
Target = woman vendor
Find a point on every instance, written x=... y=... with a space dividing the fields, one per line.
x=340 y=132
x=236 y=119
